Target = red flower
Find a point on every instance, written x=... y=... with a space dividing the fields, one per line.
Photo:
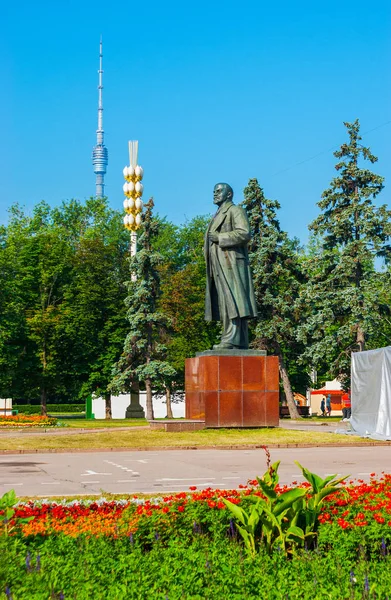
x=192 y=488
x=342 y=523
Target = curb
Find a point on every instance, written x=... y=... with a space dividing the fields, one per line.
x=166 y=448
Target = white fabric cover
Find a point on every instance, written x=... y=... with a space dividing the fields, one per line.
x=371 y=393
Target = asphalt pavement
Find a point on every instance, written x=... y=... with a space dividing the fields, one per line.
x=131 y=472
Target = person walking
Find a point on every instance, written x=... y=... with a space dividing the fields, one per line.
x=346 y=406
x=328 y=405
x=323 y=407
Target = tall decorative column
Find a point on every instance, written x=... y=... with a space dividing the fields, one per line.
x=133 y=190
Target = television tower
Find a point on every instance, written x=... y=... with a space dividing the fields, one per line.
x=99 y=153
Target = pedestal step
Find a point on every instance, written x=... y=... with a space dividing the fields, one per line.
x=178 y=425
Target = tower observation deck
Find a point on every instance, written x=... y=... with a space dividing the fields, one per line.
x=99 y=153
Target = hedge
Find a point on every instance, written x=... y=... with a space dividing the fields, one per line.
x=34 y=409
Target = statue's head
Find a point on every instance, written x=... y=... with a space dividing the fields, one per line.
x=222 y=192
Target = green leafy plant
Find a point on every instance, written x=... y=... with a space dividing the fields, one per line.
x=7 y=512
x=287 y=519
x=273 y=518
x=320 y=489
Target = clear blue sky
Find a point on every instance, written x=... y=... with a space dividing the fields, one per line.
x=213 y=91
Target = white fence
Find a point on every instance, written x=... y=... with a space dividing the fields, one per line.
x=5 y=407
x=119 y=404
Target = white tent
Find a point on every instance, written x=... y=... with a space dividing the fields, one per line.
x=371 y=393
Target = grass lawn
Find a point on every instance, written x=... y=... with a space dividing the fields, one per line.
x=146 y=438
x=102 y=423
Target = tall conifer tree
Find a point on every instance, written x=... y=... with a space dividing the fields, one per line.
x=344 y=293
x=277 y=276
x=143 y=357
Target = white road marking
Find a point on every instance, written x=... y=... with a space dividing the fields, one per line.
x=125 y=480
x=119 y=467
x=231 y=477
x=50 y=482
x=134 y=473
x=185 y=478
x=90 y=481
x=138 y=460
x=89 y=472
x=12 y=484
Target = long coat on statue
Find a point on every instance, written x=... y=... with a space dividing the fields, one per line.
x=229 y=285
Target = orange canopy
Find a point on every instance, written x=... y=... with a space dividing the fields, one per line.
x=325 y=392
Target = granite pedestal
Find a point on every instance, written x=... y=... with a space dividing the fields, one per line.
x=233 y=388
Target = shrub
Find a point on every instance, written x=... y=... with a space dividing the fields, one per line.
x=33 y=409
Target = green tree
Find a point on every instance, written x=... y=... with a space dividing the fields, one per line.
x=183 y=277
x=277 y=278
x=143 y=356
x=40 y=267
x=96 y=316
x=14 y=357
x=62 y=317
x=345 y=294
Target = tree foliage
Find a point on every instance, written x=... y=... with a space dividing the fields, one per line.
x=183 y=296
x=61 y=300
x=143 y=356
x=277 y=277
x=345 y=294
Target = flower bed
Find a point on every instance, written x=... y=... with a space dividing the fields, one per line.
x=364 y=506
x=187 y=545
x=27 y=421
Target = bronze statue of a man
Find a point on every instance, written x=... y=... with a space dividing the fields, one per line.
x=229 y=289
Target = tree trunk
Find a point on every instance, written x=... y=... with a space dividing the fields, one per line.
x=360 y=339
x=293 y=412
x=149 y=403
x=44 y=411
x=108 y=414
x=43 y=400
x=168 y=401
